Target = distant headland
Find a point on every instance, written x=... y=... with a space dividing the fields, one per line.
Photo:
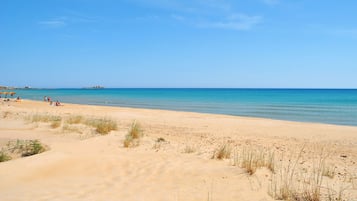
x=12 y=88
x=94 y=87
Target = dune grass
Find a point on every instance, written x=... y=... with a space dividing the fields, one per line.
x=222 y=152
x=21 y=148
x=55 y=121
x=329 y=171
x=134 y=134
x=6 y=114
x=4 y=156
x=75 y=119
x=32 y=147
x=292 y=182
x=253 y=158
x=102 y=126
x=189 y=149
x=158 y=142
x=56 y=124
x=44 y=118
x=71 y=129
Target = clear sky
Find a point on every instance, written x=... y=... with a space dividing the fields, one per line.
x=179 y=43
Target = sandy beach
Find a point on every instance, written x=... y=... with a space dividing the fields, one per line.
x=176 y=157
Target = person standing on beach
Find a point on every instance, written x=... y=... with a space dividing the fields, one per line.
x=45 y=98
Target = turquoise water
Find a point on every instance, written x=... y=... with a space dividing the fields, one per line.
x=333 y=106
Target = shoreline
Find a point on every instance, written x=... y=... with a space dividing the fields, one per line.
x=202 y=113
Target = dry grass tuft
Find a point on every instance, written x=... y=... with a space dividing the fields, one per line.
x=71 y=129
x=135 y=130
x=56 y=124
x=134 y=134
x=6 y=114
x=224 y=151
x=252 y=159
x=337 y=195
x=44 y=118
x=354 y=180
x=55 y=121
x=281 y=186
x=329 y=171
x=159 y=141
x=75 y=119
x=129 y=141
x=189 y=149
x=102 y=126
x=290 y=183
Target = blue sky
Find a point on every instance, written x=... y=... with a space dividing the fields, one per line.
x=179 y=43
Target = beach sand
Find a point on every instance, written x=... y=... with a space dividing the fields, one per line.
x=83 y=165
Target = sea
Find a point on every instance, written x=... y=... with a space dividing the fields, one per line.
x=330 y=106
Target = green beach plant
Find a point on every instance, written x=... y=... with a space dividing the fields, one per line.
x=32 y=147
x=4 y=156
x=21 y=148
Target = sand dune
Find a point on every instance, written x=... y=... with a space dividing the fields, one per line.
x=88 y=166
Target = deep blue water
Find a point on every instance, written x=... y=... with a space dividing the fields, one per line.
x=333 y=106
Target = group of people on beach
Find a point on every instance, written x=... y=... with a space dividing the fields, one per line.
x=6 y=99
x=48 y=99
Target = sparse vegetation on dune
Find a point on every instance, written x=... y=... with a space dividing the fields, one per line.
x=302 y=176
x=102 y=126
x=21 y=148
x=251 y=159
x=56 y=124
x=293 y=182
x=71 y=129
x=189 y=149
x=32 y=147
x=44 y=118
x=55 y=121
x=75 y=119
x=329 y=171
x=158 y=142
x=6 y=114
x=293 y=178
x=134 y=134
x=4 y=156
x=222 y=152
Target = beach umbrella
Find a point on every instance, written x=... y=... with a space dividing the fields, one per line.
x=11 y=93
